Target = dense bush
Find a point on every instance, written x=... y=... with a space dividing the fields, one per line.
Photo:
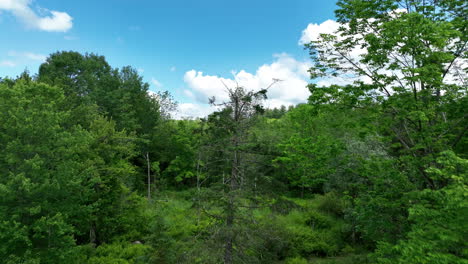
x=120 y=253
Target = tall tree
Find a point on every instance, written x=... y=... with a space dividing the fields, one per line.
x=89 y=79
x=118 y=94
x=233 y=124
x=61 y=185
x=410 y=57
x=439 y=230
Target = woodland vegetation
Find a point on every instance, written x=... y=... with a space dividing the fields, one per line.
x=93 y=169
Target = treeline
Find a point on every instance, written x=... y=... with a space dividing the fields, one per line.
x=72 y=141
x=94 y=170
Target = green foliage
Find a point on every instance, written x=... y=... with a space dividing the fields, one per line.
x=296 y=260
x=61 y=185
x=37 y=209
x=419 y=105
x=120 y=95
x=307 y=152
x=333 y=204
x=380 y=210
x=439 y=230
x=351 y=259
x=400 y=194
x=379 y=163
x=311 y=234
x=184 y=143
x=120 y=253
x=175 y=229
x=303 y=159
x=181 y=233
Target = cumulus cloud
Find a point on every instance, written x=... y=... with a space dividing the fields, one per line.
x=289 y=91
x=193 y=110
x=313 y=31
x=152 y=94
x=54 y=21
x=458 y=73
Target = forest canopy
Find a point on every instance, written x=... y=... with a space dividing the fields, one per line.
x=94 y=169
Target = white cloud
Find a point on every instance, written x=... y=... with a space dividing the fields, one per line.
x=34 y=56
x=56 y=21
x=31 y=56
x=156 y=83
x=22 y=58
x=458 y=73
x=7 y=63
x=152 y=94
x=12 y=4
x=191 y=110
x=70 y=38
x=173 y=69
x=291 y=90
x=313 y=31
x=59 y=21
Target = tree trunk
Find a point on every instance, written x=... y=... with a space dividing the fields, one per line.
x=228 y=251
x=149 y=175
x=92 y=235
x=198 y=188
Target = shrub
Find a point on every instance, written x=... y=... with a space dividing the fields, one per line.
x=120 y=253
x=324 y=239
x=317 y=221
x=296 y=260
x=332 y=204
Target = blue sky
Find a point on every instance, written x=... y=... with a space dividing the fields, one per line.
x=186 y=47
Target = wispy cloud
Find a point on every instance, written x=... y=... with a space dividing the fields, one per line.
x=21 y=9
x=28 y=56
x=22 y=59
x=7 y=63
x=34 y=56
x=156 y=83
x=70 y=37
